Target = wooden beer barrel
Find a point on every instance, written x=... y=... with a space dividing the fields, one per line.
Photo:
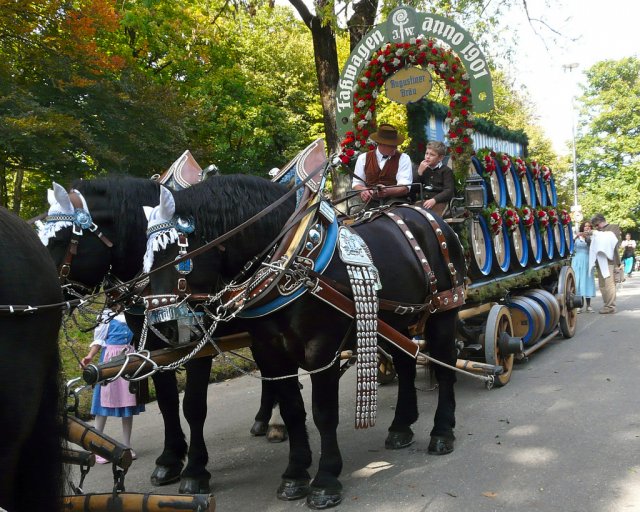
x=519 y=247
x=548 y=242
x=558 y=238
x=549 y=305
x=541 y=191
x=536 y=246
x=528 y=190
x=480 y=247
x=512 y=186
x=551 y=192
x=496 y=191
x=568 y=238
x=527 y=318
x=502 y=250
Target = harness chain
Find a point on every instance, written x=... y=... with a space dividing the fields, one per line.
x=366 y=304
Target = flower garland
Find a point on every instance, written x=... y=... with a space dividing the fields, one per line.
x=521 y=167
x=553 y=216
x=420 y=51
x=535 y=169
x=543 y=220
x=505 y=162
x=494 y=220
x=511 y=219
x=486 y=157
x=545 y=171
x=527 y=216
x=565 y=217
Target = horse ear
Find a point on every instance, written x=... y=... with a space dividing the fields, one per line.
x=61 y=196
x=167 y=206
x=147 y=211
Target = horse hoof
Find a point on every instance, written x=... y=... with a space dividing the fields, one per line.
x=164 y=475
x=194 y=485
x=398 y=440
x=319 y=499
x=290 y=490
x=277 y=433
x=259 y=428
x=440 y=445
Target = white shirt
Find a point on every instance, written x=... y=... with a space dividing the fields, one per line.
x=404 y=176
x=603 y=245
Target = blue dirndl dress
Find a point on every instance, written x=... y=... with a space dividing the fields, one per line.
x=585 y=282
x=119 y=401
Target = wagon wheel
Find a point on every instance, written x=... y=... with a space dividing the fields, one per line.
x=498 y=322
x=567 y=293
x=386 y=370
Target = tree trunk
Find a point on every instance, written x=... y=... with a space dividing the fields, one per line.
x=3 y=186
x=17 y=191
x=364 y=15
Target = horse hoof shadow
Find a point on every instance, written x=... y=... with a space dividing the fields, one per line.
x=277 y=434
x=440 y=445
x=293 y=489
x=164 y=475
x=319 y=499
x=259 y=428
x=398 y=440
x=189 y=485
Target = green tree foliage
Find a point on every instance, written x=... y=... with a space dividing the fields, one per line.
x=608 y=142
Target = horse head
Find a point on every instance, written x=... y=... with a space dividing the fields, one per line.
x=91 y=231
x=184 y=290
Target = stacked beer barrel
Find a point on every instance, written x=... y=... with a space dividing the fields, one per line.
x=532 y=229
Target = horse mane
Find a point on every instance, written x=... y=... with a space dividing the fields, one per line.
x=221 y=203
x=119 y=199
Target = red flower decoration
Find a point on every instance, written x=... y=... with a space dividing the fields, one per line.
x=553 y=216
x=521 y=167
x=505 y=163
x=511 y=219
x=535 y=169
x=526 y=214
x=565 y=217
x=546 y=173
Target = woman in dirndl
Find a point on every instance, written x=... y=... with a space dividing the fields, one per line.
x=111 y=338
x=585 y=281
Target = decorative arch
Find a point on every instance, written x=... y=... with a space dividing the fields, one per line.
x=389 y=59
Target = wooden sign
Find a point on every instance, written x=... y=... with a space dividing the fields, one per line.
x=408 y=85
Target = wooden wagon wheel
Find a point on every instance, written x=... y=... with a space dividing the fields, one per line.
x=386 y=370
x=566 y=294
x=498 y=322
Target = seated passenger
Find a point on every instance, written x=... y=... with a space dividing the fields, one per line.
x=383 y=175
x=436 y=179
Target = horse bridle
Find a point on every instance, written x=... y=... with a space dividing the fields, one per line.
x=81 y=220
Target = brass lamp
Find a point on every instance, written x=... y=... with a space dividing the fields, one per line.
x=475 y=194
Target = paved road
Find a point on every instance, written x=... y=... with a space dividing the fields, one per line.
x=562 y=436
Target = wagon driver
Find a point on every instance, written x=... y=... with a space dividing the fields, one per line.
x=383 y=175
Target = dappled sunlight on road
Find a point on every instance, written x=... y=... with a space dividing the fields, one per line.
x=629 y=493
x=371 y=469
x=534 y=456
x=589 y=355
x=524 y=430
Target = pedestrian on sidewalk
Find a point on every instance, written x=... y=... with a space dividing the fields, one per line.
x=111 y=338
x=585 y=280
x=628 y=247
x=604 y=254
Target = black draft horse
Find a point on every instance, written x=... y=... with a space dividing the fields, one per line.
x=31 y=470
x=308 y=333
x=115 y=207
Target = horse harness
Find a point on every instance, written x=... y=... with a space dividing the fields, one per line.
x=81 y=220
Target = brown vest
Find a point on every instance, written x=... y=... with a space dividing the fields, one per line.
x=376 y=176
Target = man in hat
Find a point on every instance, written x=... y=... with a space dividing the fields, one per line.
x=436 y=179
x=603 y=253
x=383 y=175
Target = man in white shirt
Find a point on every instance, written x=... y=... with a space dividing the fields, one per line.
x=383 y=175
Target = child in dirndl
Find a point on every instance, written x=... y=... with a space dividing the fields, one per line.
x=111 y=338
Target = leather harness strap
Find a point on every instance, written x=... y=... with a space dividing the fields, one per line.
x=327 y=293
